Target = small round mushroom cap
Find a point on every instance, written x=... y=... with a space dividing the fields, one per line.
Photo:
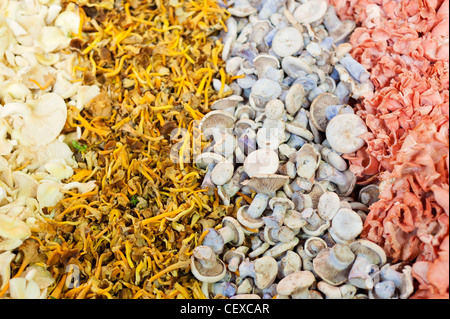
x=287 y=41
x=233 y=254
x=318 y=109
x=218 y=119
x=264 y=60
x=307 y=161
x=346 y=225
x=262 y=161
x=266 y=269
x=369 y=250
x=343 y=133
x=274 y=109
x=205 y=265
x=214 y=240
x=281 y=248
x=310 y=11
x=295 y=98
x=245 y=109
x=294 y=220
x=328 y=205
x=286 y=202
x=266 y=183
x=13 y=228
x=246 y=220
x=295 y=67
x=296 y=281
x=266 y=90
x=222 y=173
x=225 y=103
x=333 y=264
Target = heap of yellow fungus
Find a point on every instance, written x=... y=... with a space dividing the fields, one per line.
x=132 y=236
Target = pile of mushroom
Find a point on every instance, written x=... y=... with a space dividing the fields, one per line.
x=279 y=139
x=38 y=82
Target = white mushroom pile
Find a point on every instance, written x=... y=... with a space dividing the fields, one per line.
x=279 y=138
x=37 y=82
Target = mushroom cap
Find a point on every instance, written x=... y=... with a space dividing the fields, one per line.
x=222 y=173
x=259 y=251
x=266 y=183
x=295 y=281
x=294 y=220
x=281 y=248
x=207 y=158
x=211 y=274
x=245 y=109
x=233 y=253
x=239 y=235
x=242 y=11
x=274 y=109
x=307 y=161
x=291 y=262
x=287 y=41
x=217 y=119
x=371 y=251
x=286 y=202
x=347 y=188
x=295 y=67
x=346 y=225
x=264 y=60
x=294 y=98
x=248 y=221
x=328 y=205
x=266 y=89
x=313 y=245
x=318 y=109
x=345 y=28
x=266 y=270
x=261 y=161
x=13 y=228
x=310 y=11
x=334 y=275
x=225 y=103
x=294 y=128
x=343 y=133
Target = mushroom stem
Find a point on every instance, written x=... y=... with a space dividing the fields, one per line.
x=227 y=234
x=276 y=219
x=281 y=234
x=335 y=259
x=258 y=205
x=311 y=217
x=247 y=269
x=384 y=290
x=331 y=20
x=355 y=68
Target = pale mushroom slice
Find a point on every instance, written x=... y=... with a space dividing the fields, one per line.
x=226 y=103
x=295 y=67
x=307 y=161
x=222 y=173
x=318 y=109
x=13 y=228
x=310 y=11
x=266 y=270
x=295 y=98
x=343 y=133
x=287 y=41
x=296 y=284
x=261 y=161
x=264 y=60
x=216 y=120
x=266 y=184
x=248 y=221
x=328 y=205
x=44 y=118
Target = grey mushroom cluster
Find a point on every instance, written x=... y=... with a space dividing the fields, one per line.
x=279 y=139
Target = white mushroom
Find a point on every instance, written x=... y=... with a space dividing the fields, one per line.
x=262 y=161
x=205 y=265
x=343 y=133
x=310 y=11
x=287 y=41
x=296 y=285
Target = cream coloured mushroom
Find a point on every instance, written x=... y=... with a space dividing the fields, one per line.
x=343 y=133
x=43 y=119
x=280 y=248
x=262 y=161
x=279 y=206
x=205 y=265
x=310 y=11
x=334 y=159
x=296 y=67
x=369 y=256
x=333 y=264
x=233 y=257
x=266 y=184
x=346 y=225
x=401 y=276
x=296 y=285
x=345 y=291
x=279 y=234
x=246 y=296
x=369 y=194
x=222 y=173
x=294 y=98
x=328 y=205
x=294 y=220
x=337 y=29
x=316 y=226
x=13 y=228
x=266 y=270
x=227 y=103
x=287 y=41
x=217 y=120
x=313 y=245
x=6 y=258
x=262 y=91
x=291 y=262
x=307 y=161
